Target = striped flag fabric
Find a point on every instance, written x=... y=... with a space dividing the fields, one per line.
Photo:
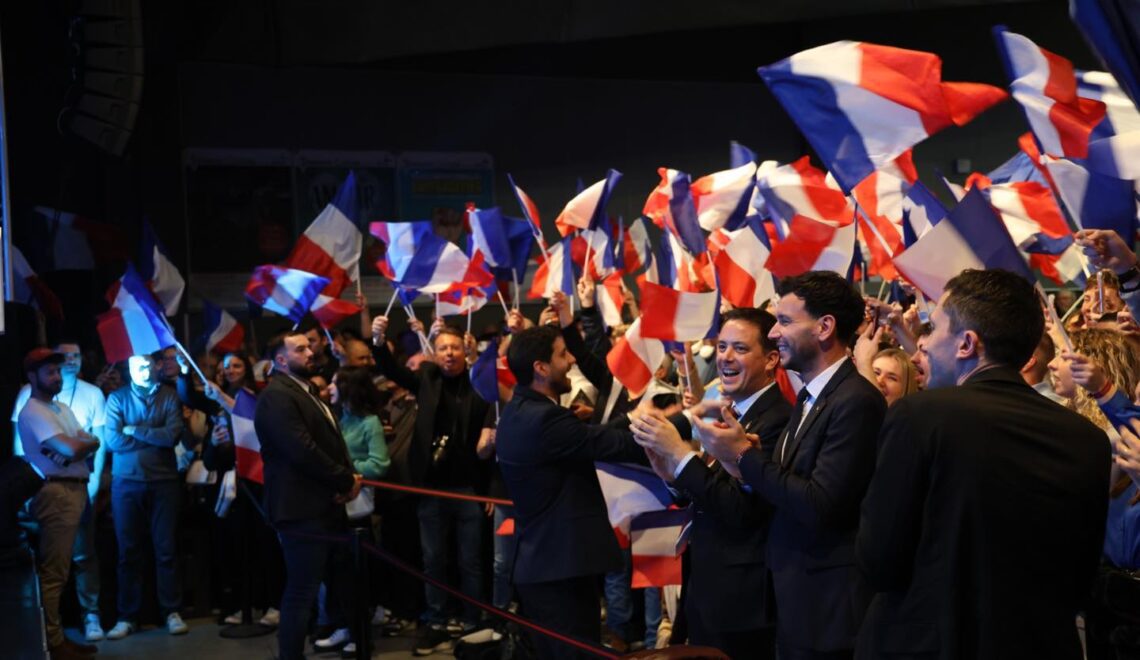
x=723 y=199
x=744 y=281
x=610 y=300
x=331 y=244
x=862 y=105
x=629 y=491
x=529 y=209
x=484 y=373
x=556 y=273
x=799 y=188
x=247 y=448
x=416 y=258
x=330 y=312
x=159 y=273
x=813 y=245
x=135 y=324
x=284 y=291
x=634 y=249
x=633 y=359
x=587 y=210
x=29 y=289
x=223 y=333
x=671 y=207
x=673 y=315
x=653 y=547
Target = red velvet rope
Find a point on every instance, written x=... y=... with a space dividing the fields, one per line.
x=437 y=493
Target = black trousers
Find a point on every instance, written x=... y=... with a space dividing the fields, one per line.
x=566 y=606
x=757 y=643
x=308 y=561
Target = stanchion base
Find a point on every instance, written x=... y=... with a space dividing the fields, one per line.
x=245 y=631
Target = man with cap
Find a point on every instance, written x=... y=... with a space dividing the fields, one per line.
x=55 y=445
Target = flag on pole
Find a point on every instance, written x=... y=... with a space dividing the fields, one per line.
x=247 y=448
x=671 y=207
x=330 y=312
x=744 y=281
x=417 y=258
x=284 y=291
x=135 y=324
x=75 y=242
x=630 y=490
x=813 y=245
x=723 y=199
x=678 y=315
x=653 y=546
x=159 y=273
x=556 y=273
x=484 y=373
x=633 y=359
x=587 y=210
x=331 y=245
x=223 y=333
x=29 y=289
x=610 y=300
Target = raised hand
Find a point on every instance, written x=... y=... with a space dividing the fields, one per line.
x=587 y=289
x=379 y=329
x=1105 y=249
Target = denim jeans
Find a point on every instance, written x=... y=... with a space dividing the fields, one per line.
x=439 y=519
x=504 y=560
x=619 y=603
x=140 y=507
x=86 y=562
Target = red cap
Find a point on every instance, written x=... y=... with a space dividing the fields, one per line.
x=38 y=357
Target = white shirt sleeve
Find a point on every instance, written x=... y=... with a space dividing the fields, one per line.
x=684 y=461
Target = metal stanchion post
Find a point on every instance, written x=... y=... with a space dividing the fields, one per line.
x=363 y=626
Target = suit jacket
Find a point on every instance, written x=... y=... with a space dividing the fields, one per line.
x=983 y=525
x=546 y=456
x=305 y=458
x=728 y=579
x=816 y=490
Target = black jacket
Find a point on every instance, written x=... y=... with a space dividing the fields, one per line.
x=816 y=491
x=305 y=458
x=546 y=456
x=728 y=579
x=590 y=353
x=982 y=528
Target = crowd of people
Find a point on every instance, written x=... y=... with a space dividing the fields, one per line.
x=954 y=478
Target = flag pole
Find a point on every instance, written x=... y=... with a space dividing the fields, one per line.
x=1048 y=302
x=871 y=225
x=437 y=314
x=392 y=301
x=1072 y=308
x=882 y=287
x=468 y=321
x=518 y=293
x=503 y=301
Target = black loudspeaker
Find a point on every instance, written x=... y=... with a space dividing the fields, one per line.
x=107 y=73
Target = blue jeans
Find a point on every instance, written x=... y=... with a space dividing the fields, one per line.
x=139 y=507
x=504 y=560
x=619 y=603
x=308 y=561
x=439 y=519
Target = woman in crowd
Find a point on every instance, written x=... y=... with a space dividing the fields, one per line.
x=895 y=375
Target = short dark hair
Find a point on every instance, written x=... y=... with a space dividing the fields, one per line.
x=277 y=342
x=824 y=293
x=357 y=391
x=1002 y=307
x=757 y=318
x=529 y=346
x=447 y=330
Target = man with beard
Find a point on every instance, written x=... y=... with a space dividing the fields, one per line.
x=546 y=455
x=817 y=473
x=308 y=479
x=56 y=446
x=984 y=523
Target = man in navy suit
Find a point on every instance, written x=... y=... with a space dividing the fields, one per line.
x=817 y=473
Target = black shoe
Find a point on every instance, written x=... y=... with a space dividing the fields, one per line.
x=397 y=627
x=431 y=639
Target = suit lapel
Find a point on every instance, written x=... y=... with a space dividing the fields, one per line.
x=329 y=418
x=793 y=436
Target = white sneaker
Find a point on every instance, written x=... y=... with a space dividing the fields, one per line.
x=380 y=617
x=233 y=619
x=271 y=618
x=92 y=629
x=121 y=630
x=175 y=625
x=339 y=638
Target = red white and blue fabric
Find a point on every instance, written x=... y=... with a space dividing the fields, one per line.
x=159 y=273
x=417 y=258
x=880 y=197
x=653 y=546
x=970 y=236
x=461 y=300
x=223 y=333
x=674 y=315
x=671 y=207
x=744 y=281
x=331 y=244
x=247 y=448
x=135 y=324
x=1115 y=150
x=633 y=359
x=862 y=105
x=530 y=212
x=629 y=491
x=505 y=242
x=597 y=244
x=587 y=210
x=921 y=211
x=29 y=289
x=556 y=273
x=723 y=199
x=634 y=249
x=813 y=245
x=799 y=188
x=484 y=373
x=610 y=300
x=1094 y=200
x=284 y=291
x=1102 y=28
x=330 y=312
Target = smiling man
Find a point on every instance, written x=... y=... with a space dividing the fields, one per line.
x=983 y=526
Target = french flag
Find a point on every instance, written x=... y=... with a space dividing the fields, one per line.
x=970 y=236
x=654 y=549
x=330 y=246
x=159 y=274
x=674 y=315
x=744 y=281
x=633 y=359
x=29 y=289
x=587 y=210
x=921 y=211
x=723 y=199
x=1117 y=137
x=504 y=242
x=135 y=324
x=330 y=312
x=671 y=207
x=530 y=211
x=862 y=105
x=880 y=197
x=247 y=448
x=484 y=373
x=75 y=242
x=801 y=189
x=461 y=299
x=417 y=258
x=813 y=245
x=284 y=291
x=223 y=333
x=610 y=300
x=634 y=250
x=629 y=491
x=598 y=245
x=556 y=273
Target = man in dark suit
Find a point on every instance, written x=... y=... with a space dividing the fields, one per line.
x=982 y=528
x=728 y=594
x=546 y=455
x=308 y=479
x=817 y=473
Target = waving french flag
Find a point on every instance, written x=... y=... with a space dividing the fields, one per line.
x=880 y=197
x=633 y=359
x=556 y=273
x=723 y=199
x=634 y=251
x=159 y=273
x=970 y=236
x=135 y=324
x=629 y=491
x=417 y=258
x=330 y=312
x=529 y=209
x=284 y=291
x=223 y=333
x=597 y=244
x=247 y=448
x=862 y=105
x=504 y=242
x=813 y=245
x=653 y=538
x=484 y=379
x=29 y=289
x=1115 y=150
x=744 y=281
x=671 y=207
x=678 y=315
x=610 y=300
x=588 y=208
x=921 y=211
x=330 y=246
x=801 y=189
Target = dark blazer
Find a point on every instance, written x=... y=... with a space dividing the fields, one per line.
x=546 y=456
x=728 y=579
x=590 y=353
x=983 y=526
x=427 y=385
x=816 y=491
x=306 y=460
